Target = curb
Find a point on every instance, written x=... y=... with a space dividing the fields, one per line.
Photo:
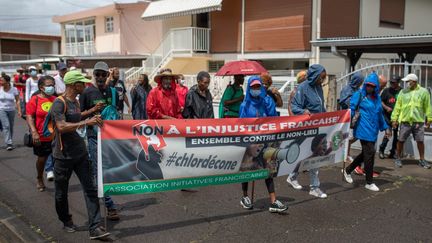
x=14 y=229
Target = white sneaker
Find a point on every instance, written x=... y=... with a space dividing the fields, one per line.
x=347 y=176
x=50 y=175
x=294 y=183
x=372 y=187
x=317 y=193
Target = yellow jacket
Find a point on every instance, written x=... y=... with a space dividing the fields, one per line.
x=413 y=106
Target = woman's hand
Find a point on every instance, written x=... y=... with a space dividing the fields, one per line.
x=36 y=138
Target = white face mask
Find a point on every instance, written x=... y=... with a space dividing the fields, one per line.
x=182 y=82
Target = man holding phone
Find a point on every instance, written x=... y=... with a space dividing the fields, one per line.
x=94 y=99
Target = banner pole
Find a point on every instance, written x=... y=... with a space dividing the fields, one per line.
x=101 y=193
x=253 y=191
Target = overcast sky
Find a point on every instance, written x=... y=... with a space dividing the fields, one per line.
x=34 y=16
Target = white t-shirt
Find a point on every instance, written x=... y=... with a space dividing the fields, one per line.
x=7 y=99
x=31 y=87
x=60 y=86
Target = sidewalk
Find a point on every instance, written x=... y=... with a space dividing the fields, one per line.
x=13 y=228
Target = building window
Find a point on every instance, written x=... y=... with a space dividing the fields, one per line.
x=214 y=66
x=392 y=13
x=109 y=24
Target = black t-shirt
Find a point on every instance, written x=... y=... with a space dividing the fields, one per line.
x=73 y=145
x=389 y=97
x=121 y=91
x=90 y=97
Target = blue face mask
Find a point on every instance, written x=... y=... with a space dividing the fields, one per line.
x=33 y=73
x=49 y=90
x=255 y=92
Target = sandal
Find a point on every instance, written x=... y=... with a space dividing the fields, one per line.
x=40 y=185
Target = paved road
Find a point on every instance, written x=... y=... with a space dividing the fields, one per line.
x=401 y=212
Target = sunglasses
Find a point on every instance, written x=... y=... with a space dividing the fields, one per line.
x=101 y=74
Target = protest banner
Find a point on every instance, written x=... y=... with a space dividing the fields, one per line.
x=161 y=155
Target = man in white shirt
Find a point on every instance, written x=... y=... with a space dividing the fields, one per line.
x=59 y=83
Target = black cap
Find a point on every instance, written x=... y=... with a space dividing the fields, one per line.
x=395 y=78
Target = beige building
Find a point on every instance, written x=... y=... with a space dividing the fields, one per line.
x=115 y=33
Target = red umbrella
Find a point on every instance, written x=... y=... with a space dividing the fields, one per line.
x=241 y=67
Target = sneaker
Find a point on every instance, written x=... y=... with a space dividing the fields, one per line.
x=50 y=175
x=317 y=193
x=398 y=163
x=98 y=233
x=372 y=187
x=294 y=183
x=347 y=176
x=375 y=174
x=423 y=163
x=359 y=171
x=277 y=207
x=381 y=155
x=113 y=215
x=9 y=147
x=69 y=227
x=246 y=203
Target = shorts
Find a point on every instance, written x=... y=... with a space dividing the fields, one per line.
x=417 y=130
x=43 y=150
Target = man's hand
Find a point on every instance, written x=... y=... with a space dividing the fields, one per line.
x=98 y=107
x=388 y=109
x=168 y=117
x=395 y=124
x=307 y=112
x=129 y=110
x=95 y=120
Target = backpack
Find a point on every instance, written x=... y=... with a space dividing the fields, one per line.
x=48 y=129
x=110 y=112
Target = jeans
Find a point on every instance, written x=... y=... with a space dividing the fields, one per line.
x=367 y=156
x=92 y=148
x=49 y=164
x=7 y=121
x=62 y=172
x=313 y=177
x=394 y=143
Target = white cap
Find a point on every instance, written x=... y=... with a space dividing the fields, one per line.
x=32 y=67
x=409 y=77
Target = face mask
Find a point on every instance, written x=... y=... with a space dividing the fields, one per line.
x=49 y=90
x=33 y=73
x=255 y=92
x=182 y=82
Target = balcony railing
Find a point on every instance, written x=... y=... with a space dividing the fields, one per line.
x=178 y=41
x=80 y=49
x=17 y=57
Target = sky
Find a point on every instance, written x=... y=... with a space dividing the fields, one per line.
x=35 y=16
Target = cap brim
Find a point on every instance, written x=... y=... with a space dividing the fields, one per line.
x=405 y=79
x=255 y=82
x=371 y=84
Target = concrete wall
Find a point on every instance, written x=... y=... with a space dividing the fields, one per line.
x=417 y=18
x=137 y=35
x=178 y=22
x=107 y=42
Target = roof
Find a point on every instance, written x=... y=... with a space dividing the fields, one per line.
x=374 y=40
x=28 y=36
x=93 y=12
x=174 y=8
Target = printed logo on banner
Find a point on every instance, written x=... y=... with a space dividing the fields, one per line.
x=150 y=134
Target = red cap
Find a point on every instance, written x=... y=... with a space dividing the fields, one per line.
x=371 y=84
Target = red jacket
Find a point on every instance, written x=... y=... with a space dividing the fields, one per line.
x=181 y=93
x=163 y=102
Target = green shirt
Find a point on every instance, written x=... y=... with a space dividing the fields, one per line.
x=413 y=106
x=231 y=92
